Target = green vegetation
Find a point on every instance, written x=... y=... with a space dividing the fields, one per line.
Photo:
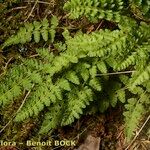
x=102 y=68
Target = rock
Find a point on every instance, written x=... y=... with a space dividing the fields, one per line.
x=90 y=143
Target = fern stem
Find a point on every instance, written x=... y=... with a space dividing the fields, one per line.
x=16 y=111
x=115 y=73
x=148 y=118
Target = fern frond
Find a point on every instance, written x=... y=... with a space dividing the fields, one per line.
x=34 y=31
x=52 y=118
x=115 y=93
x=141 y=77
x=75 y=104
x=131 y=60
x=135 y=109
x=93 y=71
x=95 y=10
x=103 y=105
x=45 y=54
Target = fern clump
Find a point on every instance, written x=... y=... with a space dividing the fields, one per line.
x=69 y=81
x=53 y=80
x=34 y=31
x=66 y=84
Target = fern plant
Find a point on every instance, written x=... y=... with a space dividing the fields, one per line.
x=34 y=31
x=66 y=84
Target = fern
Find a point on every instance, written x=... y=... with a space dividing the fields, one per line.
x=52 y=118
x=34 y=31
x=141 y=77
x=135 y=109
x=75 y=78
x=48 y=89
x=95 y=10
x=76 y=103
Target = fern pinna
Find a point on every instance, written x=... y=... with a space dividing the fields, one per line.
x=66 y=84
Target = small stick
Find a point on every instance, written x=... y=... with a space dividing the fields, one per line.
x=5 y=67
x=31 y=10
x=38 y=2
x=115 y=73
x=8 y=63
x=99 y=25
x=16 y=8
x=35 y=55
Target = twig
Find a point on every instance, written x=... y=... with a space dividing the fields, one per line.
x=31 y=10
x=39 y=2
x=115 y=73
x=17 y=110
x=5 y=67
x=99 y=25
x=16 y=8
x=8 y=63
x=35 y=55
x=138 y=133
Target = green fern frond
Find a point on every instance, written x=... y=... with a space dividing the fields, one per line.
x=144 y=31
x=131 y=60
x=103 y=105
x=115 y=93
x=141 y=77
x=132 y=116
x=93 y=71
x=52 y=118
x=45 y=54
x=76 y=103
x=95 y=10
x=135 y=109
x=34 y=31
